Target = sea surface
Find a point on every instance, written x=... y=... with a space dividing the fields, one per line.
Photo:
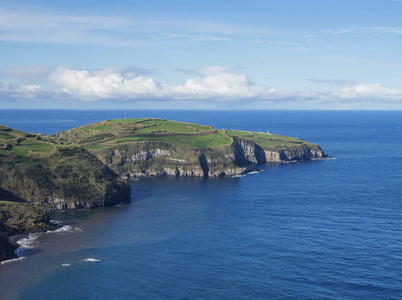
x=328 y=229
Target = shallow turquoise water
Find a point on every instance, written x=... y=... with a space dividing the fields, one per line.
x=312 y=230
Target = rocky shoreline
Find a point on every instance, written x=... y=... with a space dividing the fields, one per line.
x=242 y=160
x=86 y=167
x=9 y=238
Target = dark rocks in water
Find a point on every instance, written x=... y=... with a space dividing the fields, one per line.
x=17 y=220
x=7 y=248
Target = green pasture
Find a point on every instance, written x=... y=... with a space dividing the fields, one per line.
x=278 y=137
x=238 y=133
x=125 y=120
x=36 y=146
x=100 y=128
x=6 y=137
x=94 y=147
x=171 y=126
x=204 y=141
x=267 y=142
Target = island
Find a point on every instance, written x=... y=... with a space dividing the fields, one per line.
x=88 y=166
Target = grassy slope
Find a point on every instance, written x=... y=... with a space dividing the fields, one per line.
x=35 y=168
x=184 y=135
x=189 y=141
x=185 y=142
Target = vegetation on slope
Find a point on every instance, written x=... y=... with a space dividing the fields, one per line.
x=140 y=145
x=70 y=170
x=37 y=169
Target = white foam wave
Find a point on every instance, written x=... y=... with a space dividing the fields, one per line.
x=28 y=242
x=91 y=259
x=254 y=172
x=66 y=265
x=291 y=161
x=237 y=176
x=12 y=260
x=65 y=228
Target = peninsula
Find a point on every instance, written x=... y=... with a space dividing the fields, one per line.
x=154 y=147
x=87 y=167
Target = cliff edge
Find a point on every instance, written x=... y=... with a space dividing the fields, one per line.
x=159 y=147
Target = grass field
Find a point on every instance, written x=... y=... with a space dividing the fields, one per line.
x=94 y=147
x=184 y=135
x=171 y=126
x=100 y=128
x=6 y=137
x=36 y=146
x=238 y=133
x=125 y=120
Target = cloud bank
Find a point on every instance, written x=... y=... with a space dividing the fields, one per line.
x=214 y=83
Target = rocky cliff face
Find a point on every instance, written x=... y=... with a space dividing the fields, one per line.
x=17 y=219
x=6 y=247
x=250 y=153
x=134 y=163
x=71 y=178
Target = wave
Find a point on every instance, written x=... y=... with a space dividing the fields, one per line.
x=238 y=176
x=66 y=265
x=65 y=228
x=291 y=161
x=26 y=244
x=30 y=242
x=12 y=260
x=90 y=259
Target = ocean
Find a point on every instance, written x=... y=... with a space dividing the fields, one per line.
x=327 y=229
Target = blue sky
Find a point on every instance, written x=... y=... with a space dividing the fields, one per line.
x=232 y=54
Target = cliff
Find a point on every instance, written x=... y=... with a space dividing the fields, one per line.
x=85 y=167
x=18 y=219
x=38 y=175
x=158 y=147
x=55 y=176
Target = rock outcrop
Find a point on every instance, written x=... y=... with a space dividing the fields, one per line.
x=159 y=147
x=243 y=154
x=70 y=178
x=7 y=248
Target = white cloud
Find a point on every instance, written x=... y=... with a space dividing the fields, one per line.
x=29 y=74
x=30 y=26
x=395 y=30
x=215 y=84
x=8 y=90
x=367 y=92
x=210 y=70
x=341 y=82
x=40 y=26
x=102 y=85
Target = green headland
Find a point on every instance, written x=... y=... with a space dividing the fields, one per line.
x=87 y=167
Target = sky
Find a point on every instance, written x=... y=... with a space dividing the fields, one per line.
x=204 y=54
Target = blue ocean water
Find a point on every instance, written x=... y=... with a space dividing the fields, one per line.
x=327 y=229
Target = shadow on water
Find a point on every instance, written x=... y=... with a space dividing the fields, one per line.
x=29 y=252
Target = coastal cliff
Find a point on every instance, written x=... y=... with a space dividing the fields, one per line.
x=156 y=147
x=38 y=175
x=67 y=178
x=17 y=220
x=87 y=167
